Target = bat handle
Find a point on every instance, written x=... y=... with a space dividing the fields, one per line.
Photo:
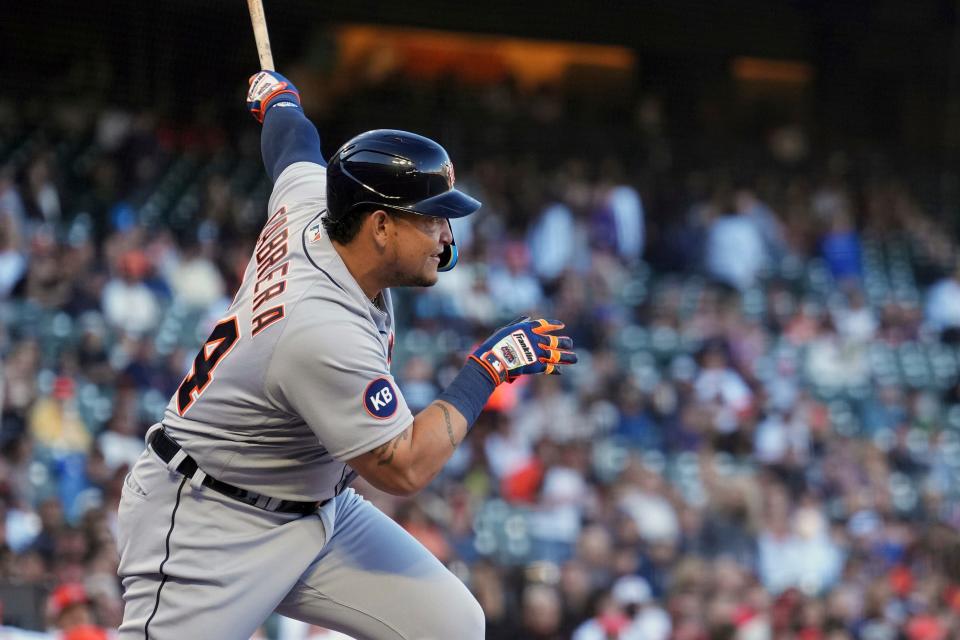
x=259 y=20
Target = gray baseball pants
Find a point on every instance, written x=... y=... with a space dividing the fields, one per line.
x=198 y=565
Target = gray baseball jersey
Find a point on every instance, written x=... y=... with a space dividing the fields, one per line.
x=295 y=379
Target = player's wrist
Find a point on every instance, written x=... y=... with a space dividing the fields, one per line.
x=269 y=89
x=469 y=391
x=490 y=364
x=286 y=98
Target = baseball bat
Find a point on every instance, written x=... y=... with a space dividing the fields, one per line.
x=259 y=20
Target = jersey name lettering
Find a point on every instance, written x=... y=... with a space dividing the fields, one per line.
x=276 y=221
x=273 y=265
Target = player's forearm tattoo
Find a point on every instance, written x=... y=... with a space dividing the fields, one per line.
x=383 y=455
x=386 y=451
x=446 y=419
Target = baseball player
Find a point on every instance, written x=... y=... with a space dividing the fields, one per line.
x=241 y=504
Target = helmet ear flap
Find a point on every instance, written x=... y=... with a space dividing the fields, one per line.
x=449 y=257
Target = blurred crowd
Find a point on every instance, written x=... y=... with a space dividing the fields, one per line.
x=762 y=439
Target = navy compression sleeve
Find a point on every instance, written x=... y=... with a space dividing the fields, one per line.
x=288 y=137
x=469 y=391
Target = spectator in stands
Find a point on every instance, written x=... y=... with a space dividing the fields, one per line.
x=48 y=284
x=128 y=304
x=194 y=279
x=42 y=196
x=855 y=320
x=782 y=439
x=795 y=550
x=943 y=306
x=833 y=361
x=54 y=421
x=552 y=240
x=841 y=249
x=514 y=289
x=13 y=261
x=764 y=219
x=542 y=613
x=648 y=621
x=488 y=586
x=11 y=202
x=563 y=498
x=735 y=251
x=887 y=412
x=635 y=423
x=71 y=613
x=643 y=496
x=609 y=622
x=722 y=392
x=619 y=219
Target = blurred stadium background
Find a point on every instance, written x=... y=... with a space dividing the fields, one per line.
x=746 y=212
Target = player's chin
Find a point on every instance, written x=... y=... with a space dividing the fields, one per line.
x=428 y=278
x=429 y=274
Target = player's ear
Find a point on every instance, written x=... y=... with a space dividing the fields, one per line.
x=380 y=226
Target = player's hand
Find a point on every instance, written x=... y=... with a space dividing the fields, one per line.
x=267 y=89
x=523 y=347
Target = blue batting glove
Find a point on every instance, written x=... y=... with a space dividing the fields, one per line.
x=269 y=89
x=524 y=347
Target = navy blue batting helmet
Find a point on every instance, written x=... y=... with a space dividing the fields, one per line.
x=398 y=170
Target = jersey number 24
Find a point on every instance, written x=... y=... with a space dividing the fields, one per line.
x=217 y=346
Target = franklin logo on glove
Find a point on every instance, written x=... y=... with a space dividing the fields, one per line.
x=523 y=347
x=521 y=339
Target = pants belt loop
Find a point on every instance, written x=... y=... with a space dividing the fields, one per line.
x=175 y=461
x=196 y=482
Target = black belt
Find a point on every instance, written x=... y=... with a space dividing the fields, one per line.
x=166 y=447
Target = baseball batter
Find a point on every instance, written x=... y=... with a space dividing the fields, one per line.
x=241 y=504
